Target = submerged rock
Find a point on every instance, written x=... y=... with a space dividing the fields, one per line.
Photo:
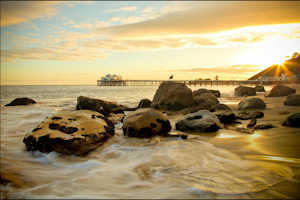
x=254 y=103
x=292 y=120
x=249 y=114
x=172 y=96
x=292 y=100
x=281 y=90
x=70 y=132
x=244 y=91
x=201 y=121
x=145 y=122
x=21 y=102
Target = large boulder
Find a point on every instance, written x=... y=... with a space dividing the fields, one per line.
x=70 y=132
x=201 y=121
x=259 y=88
x=103 y=107
x=215 y=92
x=254 y=103
x=172 y=96
x=21 y=102
x=244 y=91
x=144 y=103
x=145 y=122
x=281 y=90
x=292 y=120
x=292 y=100
x=249 y=114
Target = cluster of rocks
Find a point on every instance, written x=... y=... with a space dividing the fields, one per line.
x=92 y=124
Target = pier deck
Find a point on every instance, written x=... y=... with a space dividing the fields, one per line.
x=187 y=82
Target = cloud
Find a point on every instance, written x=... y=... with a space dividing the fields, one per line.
x=16 y=12
x=130 y=8
x=115 y=19
x=82 y=25
x=206 y=17
x=131 y=19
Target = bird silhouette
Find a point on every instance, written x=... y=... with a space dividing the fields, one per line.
x=171 y=77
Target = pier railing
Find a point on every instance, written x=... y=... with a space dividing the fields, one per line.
x=187 y=82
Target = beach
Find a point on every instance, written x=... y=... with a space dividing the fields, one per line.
x=222 y=164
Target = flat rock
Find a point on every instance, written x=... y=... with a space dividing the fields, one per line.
x=292 y=120
x=145 y=122
x=254 y=103
x=281 y=90
x=292 y=100
x=249 y=114
x=244 y=91
x=172 y=96
x=201 y=121
x=264 y=126
x=21 y=102
x=70 y=132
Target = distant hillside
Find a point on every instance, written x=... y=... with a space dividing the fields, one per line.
x=290 y=67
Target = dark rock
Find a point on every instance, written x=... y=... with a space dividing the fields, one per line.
x=292 y=120
x=225 y=116
x=201 y=121
x=145 y=122
x=144 y=103
x=244 y=91
x=218 y=107
x=252 y=122
x=21 y=102
x=216 y=93
x=240 y=129
x=172 y=96
x=249 y=114
x=200 y=91
x=263 y=126
x=200 y=98
x=259 y=88
x=281 y=90
x=207 y=104
x=292 y=100
x=254 y=103
x=116 y=118
x=78 y=137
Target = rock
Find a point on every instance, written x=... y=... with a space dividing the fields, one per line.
x=249 y=114
x=225 y=116
x=218 y=107
x=200 y=91
x=292 y=100
x=200 y=98
x=116 y=118
x=145 y=122
x=116 y=110
x=252 y=122
x=186 y=110
x=21 y=102
x=201 y=121
x=172 y=96
x=215 y=92
x=240 y=129
x=281 y=90
x=292 y=120
x=264 y=126
x=254 y=103
x=259 y=88
x=243 y=90
x=70 y=132
x=207 y=104
x=103 y=107
x=144 y=103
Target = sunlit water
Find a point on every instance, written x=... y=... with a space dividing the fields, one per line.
x=124 y=167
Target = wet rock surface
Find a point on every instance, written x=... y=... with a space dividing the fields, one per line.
x=70 y=132
x=253 y=103
x=252 y=122
x=281 y=90
x=249 y=114
x=21 y=102
x=292 y=100
x=292 y=120
x=201 y=121
x=244 y=91
x=146 y=122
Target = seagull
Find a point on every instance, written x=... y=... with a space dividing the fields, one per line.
x=171 y=77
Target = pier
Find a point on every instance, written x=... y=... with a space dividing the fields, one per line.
x=186 y=82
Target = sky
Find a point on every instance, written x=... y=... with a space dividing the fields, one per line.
x=78 y=42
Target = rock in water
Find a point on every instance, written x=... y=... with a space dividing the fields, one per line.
x=292 y=120
x=21 y=102
x=292 y=100
x=70 y=132
x=252 y=122
x=172 y=96
x=281 y=90
x=249 y=114
x=254 y=103
x=225 y=116
x=145 y=122
x=263 y=126
x=201 y=121
x=243 y=90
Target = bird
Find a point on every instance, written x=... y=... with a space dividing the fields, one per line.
x=171 y=77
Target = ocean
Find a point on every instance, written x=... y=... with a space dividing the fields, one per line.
x=125 y=168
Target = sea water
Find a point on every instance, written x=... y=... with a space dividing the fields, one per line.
x=124 y=167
